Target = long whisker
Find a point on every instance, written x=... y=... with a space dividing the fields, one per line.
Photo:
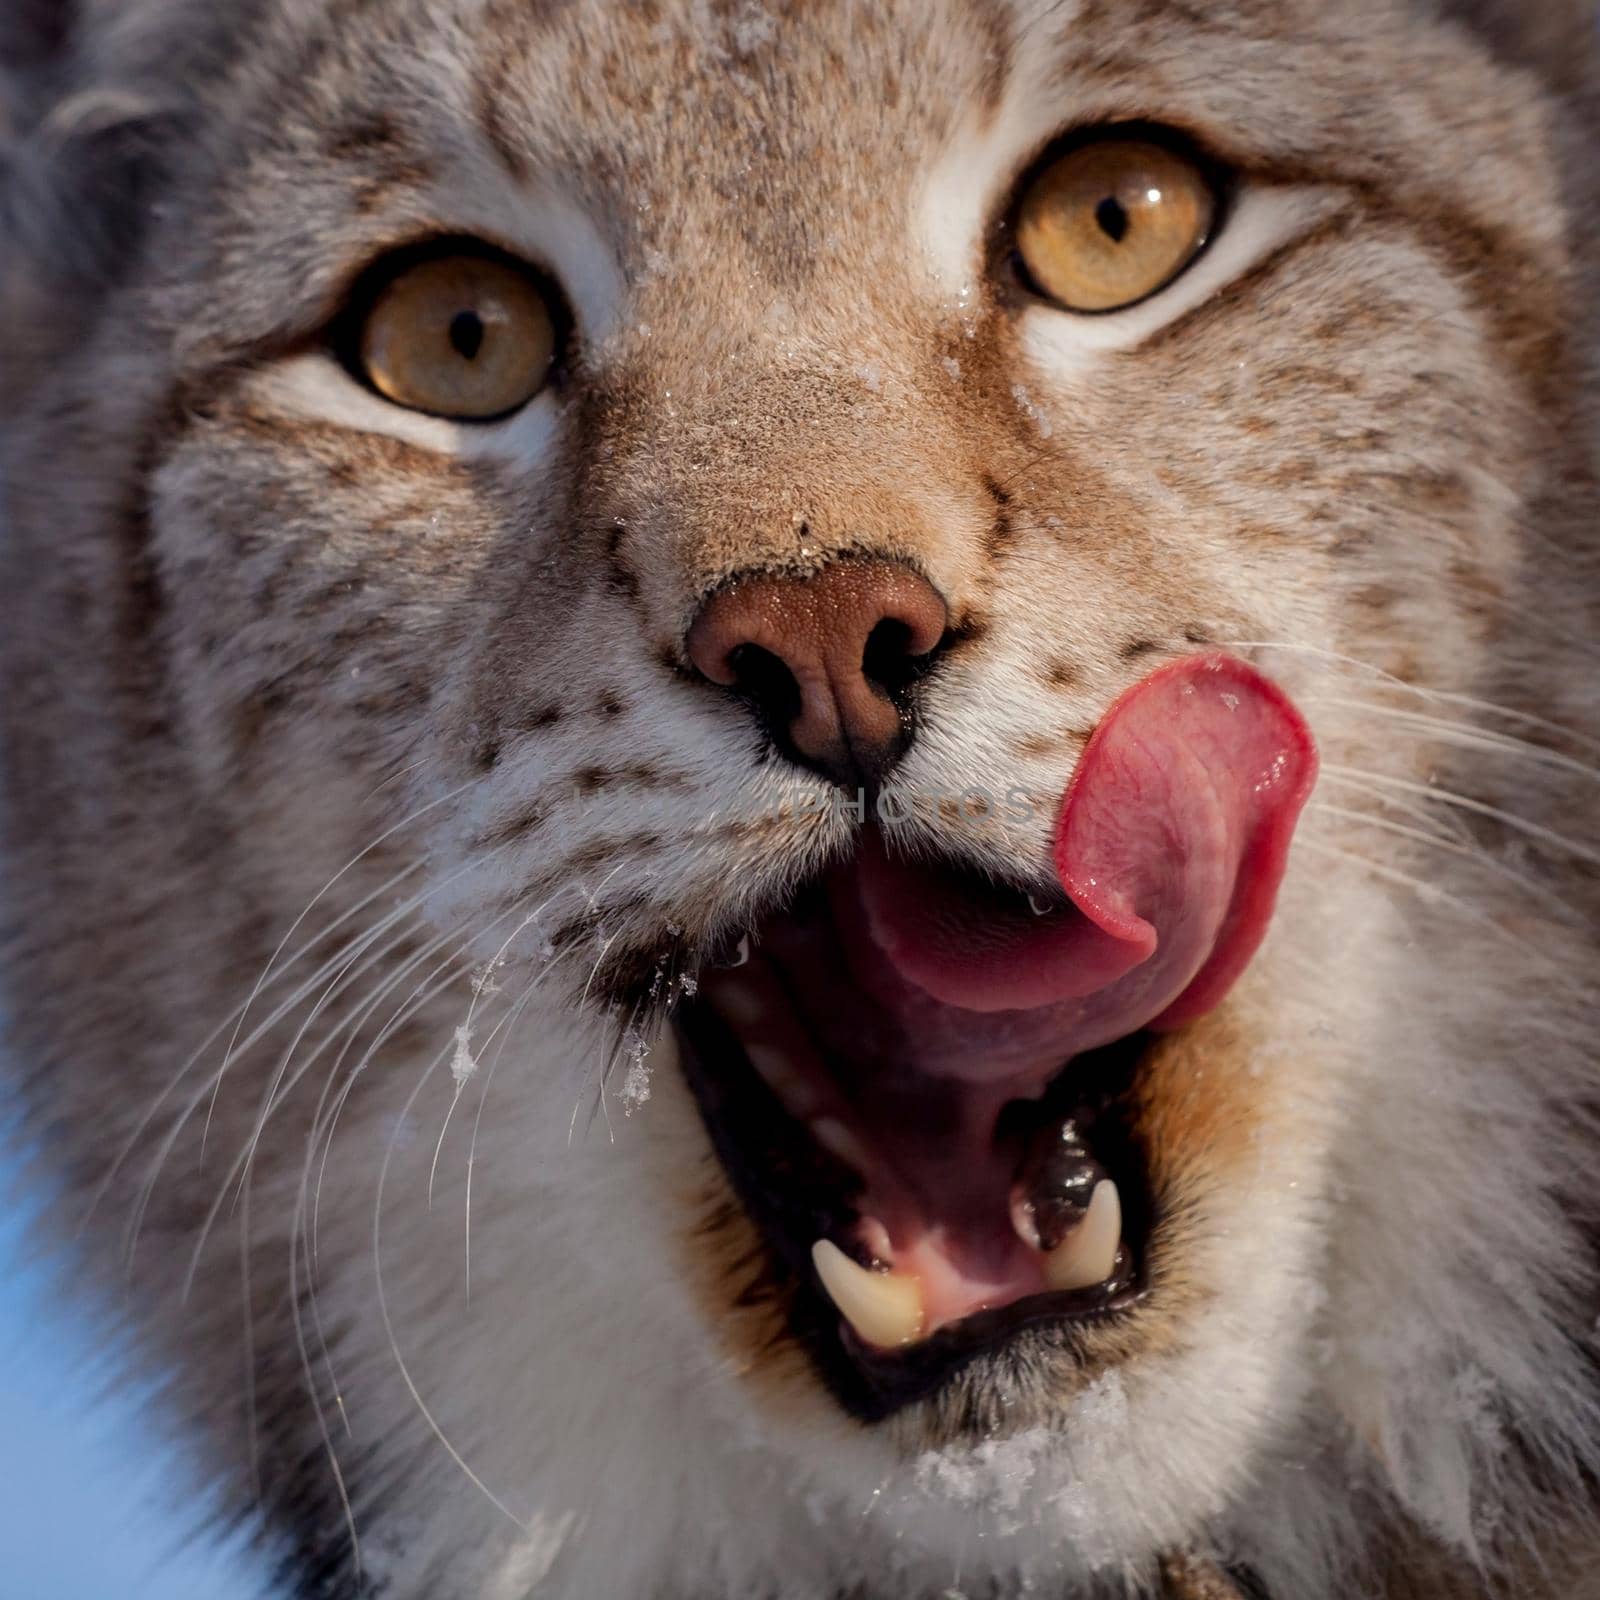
x=515 y=1017
x=260 y=1031
x=1430 y=895
x=1419 y=691
x=383 y=1304
x=142 y=1126
x=168 y=1142
x=1446 y=825
x=1475 y=854
x=434 y=983
x=589 y=1073
x=300 y=1233
x=271 y=1099
x=315 y=900
x=1461 y=802
x=340 y=1486
x=241 y=1167
x=440 y=978
x=1466 y=736
x=464 y=1034
x=495 y=1037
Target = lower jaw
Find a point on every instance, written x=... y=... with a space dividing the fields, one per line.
x=796 y=1192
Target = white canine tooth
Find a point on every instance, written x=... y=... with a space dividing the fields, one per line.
x=1089 y=1253
x=742 y=954
x=1040 y=908
x=884 y=1308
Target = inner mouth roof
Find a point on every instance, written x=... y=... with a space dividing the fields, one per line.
x=900 y=1015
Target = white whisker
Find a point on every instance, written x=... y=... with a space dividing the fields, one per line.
x=1466 y=736
x=1431 y=896
x=241 y=1166
x=359 y=958
x=464 y=1033
x=1419 y=691
x=1461 y=802
x=315 y=900
x=383 y=1304
x=1475 y=854
x=193 y=1059
x=322 y=975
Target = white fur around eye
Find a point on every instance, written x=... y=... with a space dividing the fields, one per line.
x=316 y=388
x=1067 y=344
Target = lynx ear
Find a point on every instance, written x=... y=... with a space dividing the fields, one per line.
x=86 y=123
x=1558 y=38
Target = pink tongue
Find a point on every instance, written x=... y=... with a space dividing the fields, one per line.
x=1173 y=838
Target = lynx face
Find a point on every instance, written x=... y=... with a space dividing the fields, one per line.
x=661 y=662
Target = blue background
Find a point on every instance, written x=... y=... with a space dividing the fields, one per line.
x=90 y=1507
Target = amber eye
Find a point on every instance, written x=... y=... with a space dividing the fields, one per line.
x=462 y=336
x=1112 y=221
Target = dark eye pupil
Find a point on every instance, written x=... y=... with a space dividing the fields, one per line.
x=1113 y=219
x=466 y=334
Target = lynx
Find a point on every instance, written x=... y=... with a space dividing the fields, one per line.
x=799 y=798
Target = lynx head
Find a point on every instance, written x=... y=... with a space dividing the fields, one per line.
x=662 y=663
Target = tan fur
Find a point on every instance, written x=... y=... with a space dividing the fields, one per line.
x=277 y=654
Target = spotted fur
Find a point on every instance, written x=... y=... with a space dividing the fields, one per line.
x=355 y=772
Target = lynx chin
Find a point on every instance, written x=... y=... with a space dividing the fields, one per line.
x=798 y=798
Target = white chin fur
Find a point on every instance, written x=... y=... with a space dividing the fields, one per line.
x=622 y=1448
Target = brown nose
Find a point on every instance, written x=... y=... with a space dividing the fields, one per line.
x=827 y=662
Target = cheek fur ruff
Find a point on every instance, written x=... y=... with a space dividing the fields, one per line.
x=349 y=758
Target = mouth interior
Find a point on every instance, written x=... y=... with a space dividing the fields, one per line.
x=963 y=1161
x=931 y=1040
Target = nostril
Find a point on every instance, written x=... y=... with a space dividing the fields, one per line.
x=766 y=682
x=890 y=660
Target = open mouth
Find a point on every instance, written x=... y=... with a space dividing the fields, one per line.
x=917 y=1077
x=922 y=1217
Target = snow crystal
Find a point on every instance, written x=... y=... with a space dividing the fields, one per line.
x=1007 y=1480
x=462 y=1064
x=952 y=366
x=871 y=374
x=1025 y=401
x=635 y=1088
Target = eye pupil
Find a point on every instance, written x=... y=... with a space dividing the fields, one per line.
x=467 y=334
x=1113 y=219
